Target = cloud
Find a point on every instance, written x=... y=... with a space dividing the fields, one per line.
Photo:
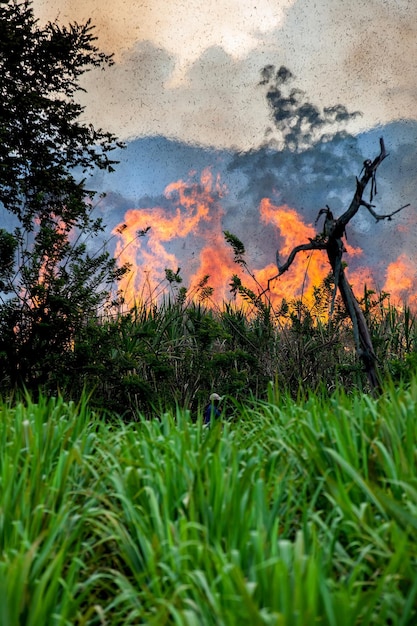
x=183 y=29
x=220 y=103
x=190 y=70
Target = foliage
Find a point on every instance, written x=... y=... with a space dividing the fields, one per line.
x=44 y=480
x=294 y=512
x=177 y=353
x=298 y=122
x=50 y=281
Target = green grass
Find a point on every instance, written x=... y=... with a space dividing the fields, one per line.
x=294 y=513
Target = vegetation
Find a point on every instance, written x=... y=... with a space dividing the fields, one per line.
x=155 y=357
x=292 y=513
x=299 y=124
x=54 y=274
x=62 y=326
x=117 y=506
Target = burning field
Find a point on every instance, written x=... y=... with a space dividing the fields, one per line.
x=184 y=233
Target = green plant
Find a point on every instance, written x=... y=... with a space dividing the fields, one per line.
x=50 y=280
x=294 y=512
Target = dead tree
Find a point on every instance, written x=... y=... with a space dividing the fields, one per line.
x=331 y=240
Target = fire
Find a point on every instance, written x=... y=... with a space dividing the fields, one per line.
x=308 y=269
x=189 y=228
x=186 y=233
x=401 y=282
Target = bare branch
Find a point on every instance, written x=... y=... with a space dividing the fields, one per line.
x=369 y=169
x=379 y=217
x=313 y=245
x=318 y=244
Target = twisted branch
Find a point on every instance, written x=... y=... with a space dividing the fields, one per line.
x=331 y=241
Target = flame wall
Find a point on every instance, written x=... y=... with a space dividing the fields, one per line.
x=187 y=234
x=270 y=201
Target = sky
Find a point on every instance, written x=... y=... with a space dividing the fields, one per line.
x=190 y=70
x=189 y=73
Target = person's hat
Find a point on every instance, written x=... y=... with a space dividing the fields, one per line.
x=215 y=396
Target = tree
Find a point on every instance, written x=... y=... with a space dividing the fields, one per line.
x=330 y=239
x=299 y=127
x=50 y=282
x=300 y=124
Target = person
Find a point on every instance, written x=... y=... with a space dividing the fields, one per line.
x=212 y=408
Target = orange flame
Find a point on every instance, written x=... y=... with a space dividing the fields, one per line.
x=307 y=270
x=401 y=282
x=196 y=219
x=190 y=229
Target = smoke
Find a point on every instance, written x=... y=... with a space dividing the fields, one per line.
x=361 y=54
x=219 y=104
x=190 y=71
x=184 y=30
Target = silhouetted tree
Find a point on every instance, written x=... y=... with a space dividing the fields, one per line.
x=49 y=281
x=331 y=240
x=298 y=123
